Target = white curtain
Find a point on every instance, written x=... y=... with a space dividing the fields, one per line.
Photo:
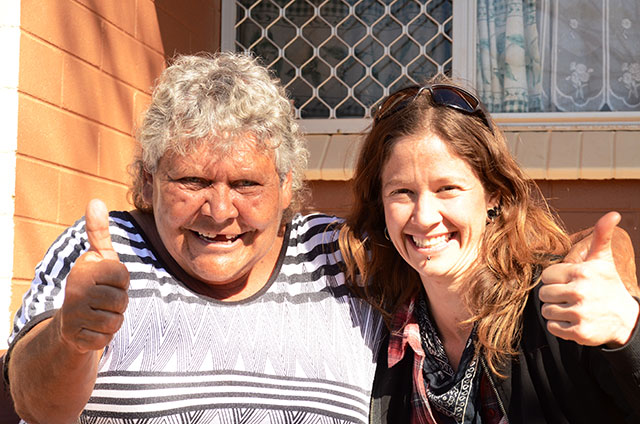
x=559 y=55
x=591 y=54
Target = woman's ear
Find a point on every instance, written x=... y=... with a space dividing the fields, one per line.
x=147 y=188
x=287 y=190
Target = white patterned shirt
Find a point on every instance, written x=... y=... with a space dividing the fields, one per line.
x=302 y=350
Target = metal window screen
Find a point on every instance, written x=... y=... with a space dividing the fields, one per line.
x=339 y=58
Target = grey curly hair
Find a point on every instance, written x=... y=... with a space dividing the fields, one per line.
x=206 y=97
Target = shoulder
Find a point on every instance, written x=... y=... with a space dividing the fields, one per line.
x=123 y=228
x=315 y=228
x=73 y=242
x=312 y=245
x=315 y=219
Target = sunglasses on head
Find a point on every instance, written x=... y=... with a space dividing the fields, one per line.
x=442 y=94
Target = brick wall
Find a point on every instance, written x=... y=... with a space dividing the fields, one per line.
x=86 y=70
x=581 y=202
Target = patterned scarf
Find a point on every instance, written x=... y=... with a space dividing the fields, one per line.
x=453 y=395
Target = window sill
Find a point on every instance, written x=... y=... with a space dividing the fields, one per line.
x=567 y=121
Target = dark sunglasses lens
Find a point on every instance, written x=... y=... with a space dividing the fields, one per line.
x=452 y=97
x=442 y=94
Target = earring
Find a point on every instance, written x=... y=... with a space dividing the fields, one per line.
x=493 y=213
x=386 y=234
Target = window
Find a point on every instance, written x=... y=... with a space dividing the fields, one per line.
x=339 y=58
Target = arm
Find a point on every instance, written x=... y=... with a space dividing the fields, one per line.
x=50 y=380
x=53 y=367
x=625 y=366
x=588 y=302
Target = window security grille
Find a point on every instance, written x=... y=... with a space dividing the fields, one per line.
x=339 y=58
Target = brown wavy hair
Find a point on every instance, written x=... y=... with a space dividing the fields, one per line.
x=523 y=238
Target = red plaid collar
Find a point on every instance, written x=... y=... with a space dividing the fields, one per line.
x=404 y=330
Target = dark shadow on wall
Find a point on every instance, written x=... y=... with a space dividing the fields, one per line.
x=580 y=203
x=189 y=27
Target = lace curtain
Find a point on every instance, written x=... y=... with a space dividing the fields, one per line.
x=559 y=55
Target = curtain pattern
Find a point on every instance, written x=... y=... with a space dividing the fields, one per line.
x=591 y=57
x=509 y=64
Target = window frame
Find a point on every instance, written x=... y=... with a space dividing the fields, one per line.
x=464 y=69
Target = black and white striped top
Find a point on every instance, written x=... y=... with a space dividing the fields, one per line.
x=301 y=350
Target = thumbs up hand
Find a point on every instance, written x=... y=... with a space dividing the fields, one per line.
x=587 y=302
x=96 y=291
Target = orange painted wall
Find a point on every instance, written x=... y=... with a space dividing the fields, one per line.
x=86 y=72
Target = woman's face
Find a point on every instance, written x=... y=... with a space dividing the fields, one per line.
x=435 y=207
x=219 y=214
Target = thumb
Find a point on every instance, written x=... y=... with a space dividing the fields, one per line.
x=602 y=234
x=97 y=226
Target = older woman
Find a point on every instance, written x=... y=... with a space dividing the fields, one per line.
x=451 y=239
x=211 y=302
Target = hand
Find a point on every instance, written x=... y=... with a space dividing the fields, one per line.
x=586 y=301
x=96 y=291
x=621 y=247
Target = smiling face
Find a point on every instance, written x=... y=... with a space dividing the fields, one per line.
x=435 y=207
x=219 y=214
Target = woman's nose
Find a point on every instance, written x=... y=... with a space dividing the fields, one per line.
x=427 y=211
x=219 y=204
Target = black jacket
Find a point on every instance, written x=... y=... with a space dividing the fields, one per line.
x=551 y=381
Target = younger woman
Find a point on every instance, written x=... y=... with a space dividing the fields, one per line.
x=451 y=239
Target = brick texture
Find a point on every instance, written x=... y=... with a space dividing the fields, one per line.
x=119 y=13
x=46 y=86
x=94 y=94
x=66 y=25
x=135 y=63
x=147 y=28
x=37 y=190
x=54 y=135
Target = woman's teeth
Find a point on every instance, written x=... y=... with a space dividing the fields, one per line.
x=218 y=238
x=431 y=241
